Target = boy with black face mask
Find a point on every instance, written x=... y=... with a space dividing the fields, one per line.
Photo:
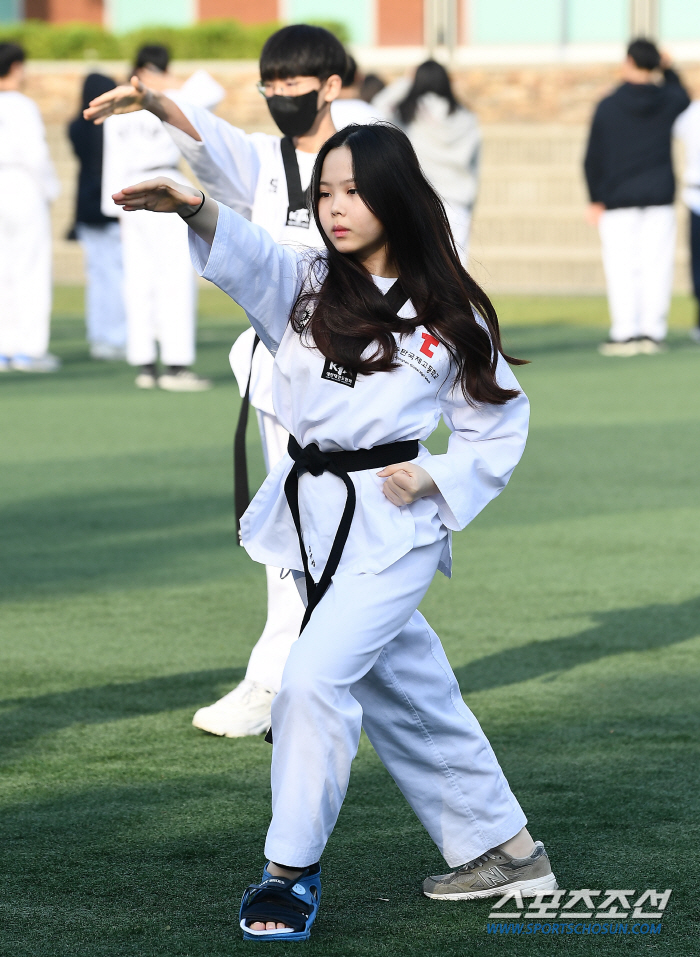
x=265 y=179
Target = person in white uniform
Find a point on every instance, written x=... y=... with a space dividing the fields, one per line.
x=687 y=129
x=266 y=180
x=350 y=107
x=159 y=284
x=374 y=340
x=445 y=136
x=99 y=235
x=29 y=184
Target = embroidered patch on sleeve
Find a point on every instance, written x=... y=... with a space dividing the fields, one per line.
x=334 y=372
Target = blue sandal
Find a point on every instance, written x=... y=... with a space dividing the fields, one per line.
x=284 y=901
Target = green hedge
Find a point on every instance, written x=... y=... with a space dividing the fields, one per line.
x=210 y=40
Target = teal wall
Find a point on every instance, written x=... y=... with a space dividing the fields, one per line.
x=548 y=21
x=680 y=19
x=587 y=21
x=356 y=15
x=10 y=10
x=131 y=14
x=598 y=21
x=515 y=21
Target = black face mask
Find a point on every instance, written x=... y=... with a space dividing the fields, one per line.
x=294 y=115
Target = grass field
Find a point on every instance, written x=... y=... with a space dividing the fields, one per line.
x=572 y=620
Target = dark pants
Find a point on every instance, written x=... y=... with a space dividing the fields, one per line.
x=695 y=256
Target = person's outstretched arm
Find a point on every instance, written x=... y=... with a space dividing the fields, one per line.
x=242 y=259
x=222 y=157
x=135 y=96
x=162 y=195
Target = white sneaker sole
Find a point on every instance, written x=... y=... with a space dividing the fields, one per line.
x=526 y=888
x=204 y=385
x=221 y=731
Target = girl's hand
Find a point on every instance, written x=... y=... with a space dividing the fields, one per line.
x=122 y=99
x=160 y=195
x=406 y=482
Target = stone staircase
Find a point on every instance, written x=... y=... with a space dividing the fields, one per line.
x=529 y=233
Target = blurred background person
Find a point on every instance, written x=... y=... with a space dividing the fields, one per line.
x=445 y=136
x=159 y=282
x=350 y=107
x=28 y=185
x=370 y=86
x=687 y=128
x=99 y=235
x=629 y=171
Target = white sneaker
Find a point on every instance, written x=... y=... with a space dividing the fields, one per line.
x=651 y=347
x=242 y=712
x=45 y=363
x=620 y=349
x=695 y=334
x=184 y=380
x=103 y=350
x=144 y=380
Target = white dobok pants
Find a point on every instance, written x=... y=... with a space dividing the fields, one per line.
x=638 y=252
x=460 y=220
x=368 y=658
x=25 y=266
x=284 y=606
x=159 y=289
x=104 y=296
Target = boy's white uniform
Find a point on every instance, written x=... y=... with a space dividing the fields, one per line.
x=367 y=657
x=28 y=184
x=245 y=171
x=159 y=286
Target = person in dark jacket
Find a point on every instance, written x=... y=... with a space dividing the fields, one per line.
x=98 y=235
x=629 y=171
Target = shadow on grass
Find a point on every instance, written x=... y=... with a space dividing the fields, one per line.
x=616 y=633
x=118 y=537
x=44 y=714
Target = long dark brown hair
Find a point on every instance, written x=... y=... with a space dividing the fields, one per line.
x=344 y=313
x=431 y=77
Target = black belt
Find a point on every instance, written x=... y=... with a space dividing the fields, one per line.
x=241 y=489
x=313 y=460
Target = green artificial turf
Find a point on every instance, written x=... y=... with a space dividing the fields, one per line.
x=572 y=621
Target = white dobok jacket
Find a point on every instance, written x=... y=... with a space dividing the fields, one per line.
x=24 y=154
x=245 y=172
x=486 y=443
x=687 y=128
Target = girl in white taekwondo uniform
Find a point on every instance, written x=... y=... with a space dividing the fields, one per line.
x=363 y=513
x=265 y=179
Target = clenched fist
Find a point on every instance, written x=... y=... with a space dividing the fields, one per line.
x=407 y=482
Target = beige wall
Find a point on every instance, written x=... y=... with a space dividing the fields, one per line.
x=529 y=234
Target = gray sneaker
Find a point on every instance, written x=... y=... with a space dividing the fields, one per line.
x=492 y=874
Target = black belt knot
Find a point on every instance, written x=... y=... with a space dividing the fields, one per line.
x=313 y=460
x=310 y=458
